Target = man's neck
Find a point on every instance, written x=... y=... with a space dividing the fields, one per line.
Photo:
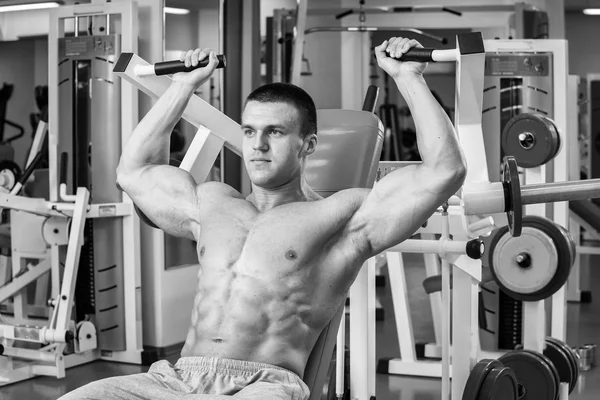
x=293 y=191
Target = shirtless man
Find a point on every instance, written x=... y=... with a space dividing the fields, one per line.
x=277 y=265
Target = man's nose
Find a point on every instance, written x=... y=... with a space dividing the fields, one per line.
x=261 y=141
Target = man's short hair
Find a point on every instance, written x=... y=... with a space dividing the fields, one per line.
x=280 y=92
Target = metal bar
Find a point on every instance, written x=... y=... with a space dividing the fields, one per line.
x=560 y=191
x=431 y=246
x=20 y=282
x=372 y=29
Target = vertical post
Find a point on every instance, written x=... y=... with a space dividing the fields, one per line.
x=232 y=46
x=399 y=291
x=362 y=326
x=298 y=46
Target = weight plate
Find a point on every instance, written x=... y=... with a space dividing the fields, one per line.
x=572 y=358
x=536 y=381
x=547 y=361
x=569 y=239
x=10 y=173
x=531 y=138
x=477 y=378
x=512 y=195
x=561 y=361
x=500 y=384
x=534 y=266
x=524 y=265
x=563 y=249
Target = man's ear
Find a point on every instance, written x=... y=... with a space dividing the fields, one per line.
x=310 y=144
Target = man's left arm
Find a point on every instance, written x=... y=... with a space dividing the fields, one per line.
x=404 y=199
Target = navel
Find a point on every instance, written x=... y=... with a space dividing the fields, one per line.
x=218 y=340
x=202 y=251
x=291 y=255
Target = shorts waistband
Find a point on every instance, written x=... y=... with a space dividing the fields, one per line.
x=227 y=365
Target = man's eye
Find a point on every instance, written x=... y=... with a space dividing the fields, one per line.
x=275 y=132
x=248 y=132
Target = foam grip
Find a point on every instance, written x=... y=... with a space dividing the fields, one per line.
x=417 y=54
x=172 y=67
x=371 y=99
x=64 y=162
x=33 y=165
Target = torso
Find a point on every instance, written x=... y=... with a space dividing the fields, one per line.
x=270 y=282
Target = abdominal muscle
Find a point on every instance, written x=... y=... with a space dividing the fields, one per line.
x=265 y=317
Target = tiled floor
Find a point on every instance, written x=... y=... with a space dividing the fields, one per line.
x=583 y=327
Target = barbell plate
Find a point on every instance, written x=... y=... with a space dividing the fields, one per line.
x=513 y=278
x=560 y=359
x=563 y=249
x=477 y=378
x=512 y=195
x=12 y=173
x=572 y=358
x=531 y=138
x=500 y=384
x=535 y=379
x=550 y=252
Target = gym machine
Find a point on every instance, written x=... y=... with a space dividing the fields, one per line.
x=506 y=192
x=88 y=242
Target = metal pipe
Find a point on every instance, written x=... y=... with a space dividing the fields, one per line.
x=560 y=191
x=373 y=29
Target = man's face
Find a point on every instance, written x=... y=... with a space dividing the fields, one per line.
x=272 y=144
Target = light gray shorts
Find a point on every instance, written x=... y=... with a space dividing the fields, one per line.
x=200 y=378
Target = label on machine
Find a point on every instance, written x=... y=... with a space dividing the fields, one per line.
x=87 y=46
x=524 y=64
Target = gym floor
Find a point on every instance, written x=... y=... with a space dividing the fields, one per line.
x=583 y=327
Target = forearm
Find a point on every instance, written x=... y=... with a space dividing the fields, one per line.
x=150 y=140
x=436 y=138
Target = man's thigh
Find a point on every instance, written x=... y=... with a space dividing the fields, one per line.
x=160 y=382
x=270 y=391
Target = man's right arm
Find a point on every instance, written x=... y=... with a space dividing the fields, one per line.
x=169 y=196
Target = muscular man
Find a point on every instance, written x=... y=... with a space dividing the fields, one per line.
x=275 y=266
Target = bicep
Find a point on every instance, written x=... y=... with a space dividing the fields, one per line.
x=168 y=196
x=398 y=205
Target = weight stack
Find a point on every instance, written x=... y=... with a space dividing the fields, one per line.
x=501 y=318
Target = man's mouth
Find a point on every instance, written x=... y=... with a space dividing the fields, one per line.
x=260 y=160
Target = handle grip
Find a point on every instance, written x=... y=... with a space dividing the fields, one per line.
x=171 y=67
x=64 y=163
x=32 y=166
x=418 y=54
x=371 y=99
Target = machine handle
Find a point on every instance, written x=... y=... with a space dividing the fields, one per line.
x=64 y=161
x=371 y=99
x=174 y=66
x=421 y=54
x=32 y=166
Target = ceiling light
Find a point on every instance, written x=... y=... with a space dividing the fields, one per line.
x=30 y=6
x=178 y=11
x=592 y=11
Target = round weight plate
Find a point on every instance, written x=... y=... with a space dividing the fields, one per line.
x=512 y=195
x=524 y=265
x=569 y=239
x=477 y=378
x=536 y=381
x=561 y=361
x=546 y=361
x=500 y=384
x=572 y=360
x=563 y=249
x=10 y=173
x=531 y=138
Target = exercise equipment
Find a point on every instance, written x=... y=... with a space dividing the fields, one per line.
x=73 y=248
x=10 y=173
x=533 y=266
x=564 y=360
x=510 y=197
x=172 y=67
x=531 y=138
x=491 y=380
x=477 y=378
x=536 y=375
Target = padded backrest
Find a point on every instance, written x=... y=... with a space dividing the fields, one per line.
x=347 y=156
